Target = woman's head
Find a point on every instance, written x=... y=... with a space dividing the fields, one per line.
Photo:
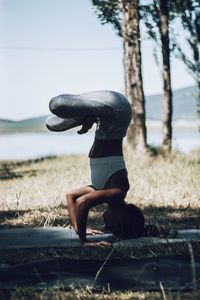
x=125 y=222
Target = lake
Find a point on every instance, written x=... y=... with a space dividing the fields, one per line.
x=20 y=146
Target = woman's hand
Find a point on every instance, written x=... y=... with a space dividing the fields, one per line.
x=90 y=231
x=97 y=244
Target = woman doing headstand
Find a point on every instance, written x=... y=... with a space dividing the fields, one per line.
x=112 y=113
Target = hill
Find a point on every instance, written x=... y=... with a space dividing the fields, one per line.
x=184 y=105
x=184 y=108
x=27 y=125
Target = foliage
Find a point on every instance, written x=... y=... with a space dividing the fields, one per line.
x=189 y=13
x=150 y=15
x=108 y=11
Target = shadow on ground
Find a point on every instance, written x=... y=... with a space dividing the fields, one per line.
x=18 y=169
x=179 y=217
x=170 y=217
x=123 y=274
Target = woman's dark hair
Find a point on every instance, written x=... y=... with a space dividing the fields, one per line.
x=125 y=222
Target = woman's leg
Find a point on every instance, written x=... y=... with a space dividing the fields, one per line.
x=80 y=106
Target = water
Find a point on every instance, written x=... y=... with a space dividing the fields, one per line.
x=184 y=138
x=33 y=145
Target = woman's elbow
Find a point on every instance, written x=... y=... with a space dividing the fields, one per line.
x=82 y=204
x=69 y=198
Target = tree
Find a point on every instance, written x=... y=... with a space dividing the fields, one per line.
x=124 y=16
x=157 y=18
x=133 y=73
x=167 y=90
x=189 y=13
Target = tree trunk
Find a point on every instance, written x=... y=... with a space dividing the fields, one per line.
x=198 y=99
x=167 y=92
x=133 y=74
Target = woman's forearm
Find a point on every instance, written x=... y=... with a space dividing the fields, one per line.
x=71 y=206
x=87 y=201
x=81 y=218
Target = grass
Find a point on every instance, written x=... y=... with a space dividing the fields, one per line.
x=165 y=187
x=87 y=294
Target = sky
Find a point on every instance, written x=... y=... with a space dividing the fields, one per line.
x=51 y=47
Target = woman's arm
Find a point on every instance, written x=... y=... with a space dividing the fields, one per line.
x=71 y=203
x=91 y=199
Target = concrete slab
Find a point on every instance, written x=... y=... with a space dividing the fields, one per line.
x=29 y=244
x=67 y=238
x=189 y=234
x=53 y=237
x=183 y=235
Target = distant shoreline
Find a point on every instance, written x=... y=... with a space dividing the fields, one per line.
x=176 y=123
x=149 y=123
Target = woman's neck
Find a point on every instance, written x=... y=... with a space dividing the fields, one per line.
x=103 y=148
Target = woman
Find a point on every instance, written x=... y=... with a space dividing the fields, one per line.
x=112 y=113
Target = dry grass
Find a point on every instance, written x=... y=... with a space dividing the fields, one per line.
x=32 y=193
x=165 y=180
x=155 y=180
x=40 y=183
x=87 y=294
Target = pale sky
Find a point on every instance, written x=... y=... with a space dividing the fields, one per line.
x=34 y=67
